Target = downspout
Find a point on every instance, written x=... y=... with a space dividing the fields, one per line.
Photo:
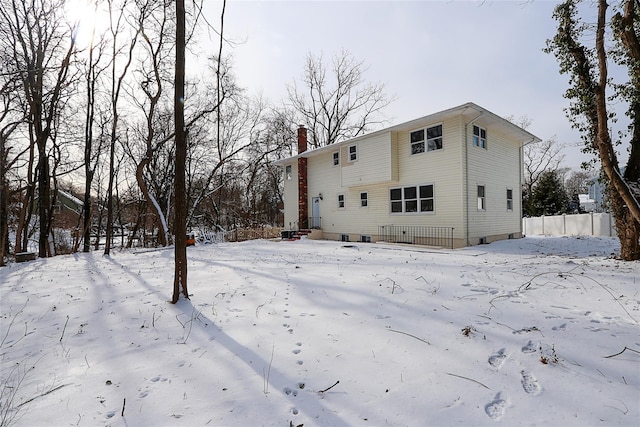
x=466 y=172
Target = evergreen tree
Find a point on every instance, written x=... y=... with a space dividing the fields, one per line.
x=549 y=197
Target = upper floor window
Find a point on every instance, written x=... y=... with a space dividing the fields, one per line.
x=509 y=199
x=481 y=198
x=434 y=138
x=429 y=138
x=364 y=200
x=417 y=141
x=479 y=137
x=412 y=199
x=287 y=172
x=336 y=158
x=340 y=201
x=353 y=153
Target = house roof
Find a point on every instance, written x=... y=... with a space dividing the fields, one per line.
x=469 y=111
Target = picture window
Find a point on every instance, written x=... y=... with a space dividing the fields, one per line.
x=412 y=199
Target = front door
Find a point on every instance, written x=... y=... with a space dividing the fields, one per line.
x=315 y=212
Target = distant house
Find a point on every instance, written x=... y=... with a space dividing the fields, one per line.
x=68 y=210
x=452 y=178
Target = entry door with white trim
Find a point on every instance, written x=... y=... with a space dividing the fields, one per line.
x=315 y=212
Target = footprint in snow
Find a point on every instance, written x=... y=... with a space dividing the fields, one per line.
x=530 y=347
x=496 y=409
x=496 y=360
x=530 y=383
x=560 y=328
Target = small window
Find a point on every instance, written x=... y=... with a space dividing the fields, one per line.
x=410 y=199
x=509 y=199
x=353 y=153
x=365 y=239
x=426 y=198
x=336 y=158
x=340 y=201
x=417 y=141
x=479 y=137
x=287 y=172
x=344 y=238
x=396 y=200
x=481 y=198
x=364 y=200
x=434 y=138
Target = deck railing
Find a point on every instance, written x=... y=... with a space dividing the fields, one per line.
x=417 y=235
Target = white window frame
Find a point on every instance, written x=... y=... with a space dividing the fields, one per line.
x=364 y=201
x=336 y=158
x=478 y=139
x=482 y=197
x=341 y=201
x=412 y=203
x=432 y=140
x=417 y=146
x=287 y=172
x=426 y=143
x=509 y=199
x=353 y=154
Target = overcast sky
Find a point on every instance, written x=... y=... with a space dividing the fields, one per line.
x=431 y=55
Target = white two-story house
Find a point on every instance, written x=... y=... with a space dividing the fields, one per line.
x=452 y=179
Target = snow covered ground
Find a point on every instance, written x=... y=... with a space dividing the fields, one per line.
x=317 y=333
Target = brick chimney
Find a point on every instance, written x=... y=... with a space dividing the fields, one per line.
x=303 y=205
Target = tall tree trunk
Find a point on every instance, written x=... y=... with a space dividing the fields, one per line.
x=626 y=209
x=4 y=201
x=180 y=227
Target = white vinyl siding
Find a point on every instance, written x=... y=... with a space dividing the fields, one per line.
x=373 y=165
x=495 y=168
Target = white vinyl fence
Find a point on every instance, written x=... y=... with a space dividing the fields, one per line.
x=589 y=224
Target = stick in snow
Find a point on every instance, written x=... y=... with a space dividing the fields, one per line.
x=329 y=388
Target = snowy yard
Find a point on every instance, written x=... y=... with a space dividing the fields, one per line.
x=317 y=333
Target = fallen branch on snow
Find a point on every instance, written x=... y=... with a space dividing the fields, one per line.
x=623 y=350
x=412 y=336
x=470 y=379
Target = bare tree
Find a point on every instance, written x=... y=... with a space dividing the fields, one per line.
x=337 y=105
x=10 y=119
x=590 y=96
x=92 y=151
x=42 y=51
x=117 y=22
x=180 y=226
